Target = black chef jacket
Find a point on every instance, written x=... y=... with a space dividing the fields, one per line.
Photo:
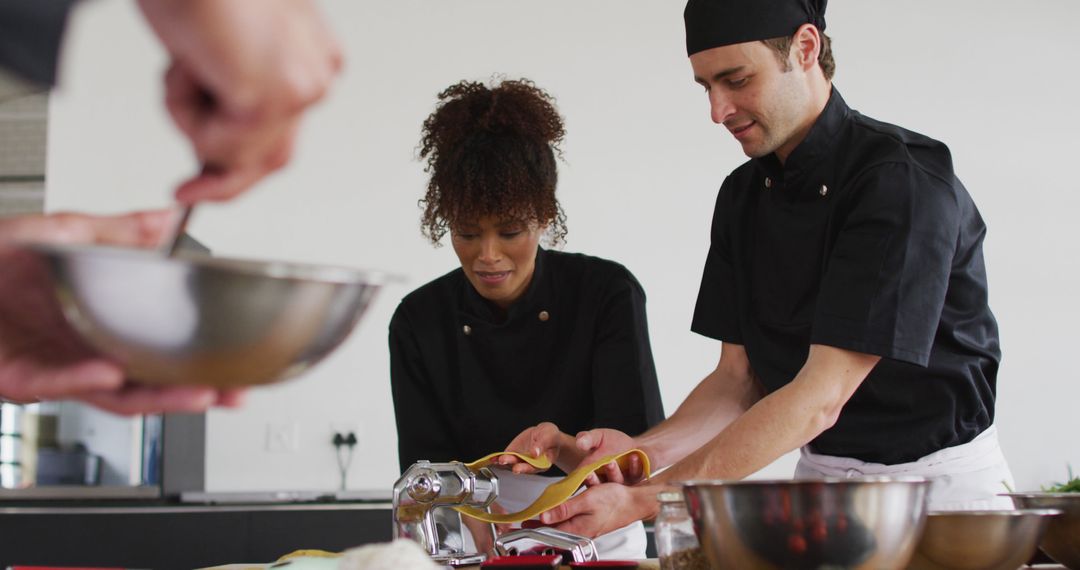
x=573 y=350
x=30 y=34
x=865 y=240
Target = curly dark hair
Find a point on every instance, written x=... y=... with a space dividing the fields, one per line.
x=491 y=151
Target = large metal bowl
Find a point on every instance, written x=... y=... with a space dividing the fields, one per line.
x=980 y=540
x=865 y=523
x=1062 y=539
x=200 y=320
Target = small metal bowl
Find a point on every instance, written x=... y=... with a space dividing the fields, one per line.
x=863 y=523
x=201 y=320
x=980 y=540
x=1062 y=538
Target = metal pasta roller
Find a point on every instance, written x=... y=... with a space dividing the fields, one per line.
x=420 y=498
x=571 y=547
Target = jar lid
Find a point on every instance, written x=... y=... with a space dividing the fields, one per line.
x=669 y=497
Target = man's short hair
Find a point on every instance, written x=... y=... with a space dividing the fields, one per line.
x=782 y=47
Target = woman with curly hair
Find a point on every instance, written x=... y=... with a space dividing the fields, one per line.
x=518 y=334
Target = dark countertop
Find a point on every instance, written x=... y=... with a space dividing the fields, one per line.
x=163 y=535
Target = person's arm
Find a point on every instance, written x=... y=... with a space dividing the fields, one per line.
x=723 y=395
x=624 y=391
x=242 y=74
x=780 y=422
x=715 y=316
x=423 y=429
x=41 y=357
x=718 y=400
x=776 y=424
x=729 y=389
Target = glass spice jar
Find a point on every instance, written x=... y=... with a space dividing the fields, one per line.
x=676 y=544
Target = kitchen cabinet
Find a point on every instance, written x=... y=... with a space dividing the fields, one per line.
x=165 y=536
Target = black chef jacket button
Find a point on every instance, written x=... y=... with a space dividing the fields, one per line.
x=466 y=329
x=768 y=182
x=824 y=190
x=544 y=316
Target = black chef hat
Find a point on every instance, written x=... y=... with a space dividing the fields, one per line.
x=715 y=23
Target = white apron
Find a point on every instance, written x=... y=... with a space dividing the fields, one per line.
x=965 y=477
x=519 y=491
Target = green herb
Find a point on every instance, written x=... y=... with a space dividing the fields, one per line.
x=1070 y=486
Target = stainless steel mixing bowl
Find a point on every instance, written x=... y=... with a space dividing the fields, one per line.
x=202 y=320
x=864 y=523
x=1062 y=539
x=980 y=540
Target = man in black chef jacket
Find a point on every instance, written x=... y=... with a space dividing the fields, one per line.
x=845 y=280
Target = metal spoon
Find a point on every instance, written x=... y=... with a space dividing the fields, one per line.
x=171 y=244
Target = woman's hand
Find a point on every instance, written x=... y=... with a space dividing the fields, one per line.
x=543 y=440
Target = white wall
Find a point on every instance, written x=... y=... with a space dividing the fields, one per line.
x=995 y=80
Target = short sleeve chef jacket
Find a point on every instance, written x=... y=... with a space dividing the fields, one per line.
x=574 y=350
x=863 y=240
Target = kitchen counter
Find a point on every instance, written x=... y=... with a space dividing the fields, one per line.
x=169 y=535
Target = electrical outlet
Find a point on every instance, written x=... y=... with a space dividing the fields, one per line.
x=345 y=428
x=281 y=437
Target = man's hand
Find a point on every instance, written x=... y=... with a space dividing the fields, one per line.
x=542 y=440
x=242 y=74
x=602 y=509
x=599 y=443
x=41 y=357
